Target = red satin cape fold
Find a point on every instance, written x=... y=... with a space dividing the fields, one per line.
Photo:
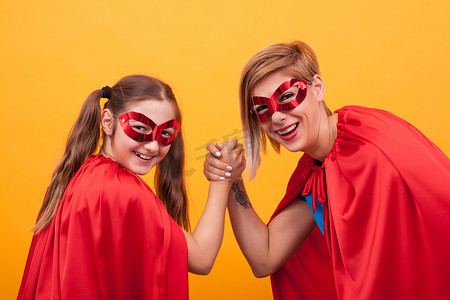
x=111 y=238
x=389 y=209
x=386 y=215
x=309 y=273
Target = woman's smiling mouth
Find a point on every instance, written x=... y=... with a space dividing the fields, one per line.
x=287 y=130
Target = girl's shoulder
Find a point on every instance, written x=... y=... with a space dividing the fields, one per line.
x=101 y=180
x=99 y=167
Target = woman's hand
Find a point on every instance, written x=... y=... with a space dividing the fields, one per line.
x=225 y=161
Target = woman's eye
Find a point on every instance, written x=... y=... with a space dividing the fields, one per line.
x=286 y=97
x=260 y=109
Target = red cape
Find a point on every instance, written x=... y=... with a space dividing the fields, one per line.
x=309 y=273
x=386 y=212
x=111 y=238
x=389 y=209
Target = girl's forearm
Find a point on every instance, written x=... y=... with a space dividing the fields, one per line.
x=205 y=241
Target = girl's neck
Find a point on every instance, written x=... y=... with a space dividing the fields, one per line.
x=104 y=151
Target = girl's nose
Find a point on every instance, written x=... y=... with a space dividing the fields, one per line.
x=152 y=146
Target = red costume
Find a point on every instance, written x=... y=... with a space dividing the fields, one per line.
x=385 y=190
x=111 y=238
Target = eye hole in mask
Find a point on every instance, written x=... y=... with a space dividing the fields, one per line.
x=140 y=128
x=287 y=96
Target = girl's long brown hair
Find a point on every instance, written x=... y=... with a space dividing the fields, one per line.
x=85 y=136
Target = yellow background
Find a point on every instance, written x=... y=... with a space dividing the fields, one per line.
x=392 y=55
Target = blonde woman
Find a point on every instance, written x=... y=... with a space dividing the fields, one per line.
x=367 y=211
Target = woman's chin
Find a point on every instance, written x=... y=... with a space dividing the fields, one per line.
x=291 y=148
x=294 y=145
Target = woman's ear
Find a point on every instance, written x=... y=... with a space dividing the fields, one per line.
x=107 y=121
x=318 y=87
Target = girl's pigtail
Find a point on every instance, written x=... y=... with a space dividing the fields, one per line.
x=83 y=141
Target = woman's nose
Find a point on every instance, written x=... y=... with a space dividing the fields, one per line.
x=278 y=117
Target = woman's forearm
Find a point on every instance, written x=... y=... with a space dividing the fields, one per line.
x=250 y=231
x=205 y=241
x=267 y=248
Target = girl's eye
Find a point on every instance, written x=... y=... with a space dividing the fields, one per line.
x=140 y=127
x=166 y=133
x=260 y=109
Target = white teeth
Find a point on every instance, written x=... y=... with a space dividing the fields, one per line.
x=143 y=156
x=290 y=128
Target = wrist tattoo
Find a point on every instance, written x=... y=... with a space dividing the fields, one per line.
x=240 y=196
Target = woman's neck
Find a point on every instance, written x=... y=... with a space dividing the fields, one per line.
x=326 y=138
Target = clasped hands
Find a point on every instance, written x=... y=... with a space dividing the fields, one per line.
x=225 y=161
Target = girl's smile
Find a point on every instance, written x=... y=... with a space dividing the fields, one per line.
x=133 y=149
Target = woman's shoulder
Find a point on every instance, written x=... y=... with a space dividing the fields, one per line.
x=361 y=114
x=358 y=122
x=367 y=133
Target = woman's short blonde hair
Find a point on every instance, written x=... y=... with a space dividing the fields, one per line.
x=297 y=59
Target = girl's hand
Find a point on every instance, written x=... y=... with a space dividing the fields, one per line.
x=225 y=161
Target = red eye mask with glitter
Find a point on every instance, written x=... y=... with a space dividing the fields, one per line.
x=142 y=129
x=287 y=96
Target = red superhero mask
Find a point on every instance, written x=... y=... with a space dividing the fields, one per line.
x=287 y=96
x=142 y=129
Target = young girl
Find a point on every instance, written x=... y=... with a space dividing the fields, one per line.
x=101 y=232
x=366 y=212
